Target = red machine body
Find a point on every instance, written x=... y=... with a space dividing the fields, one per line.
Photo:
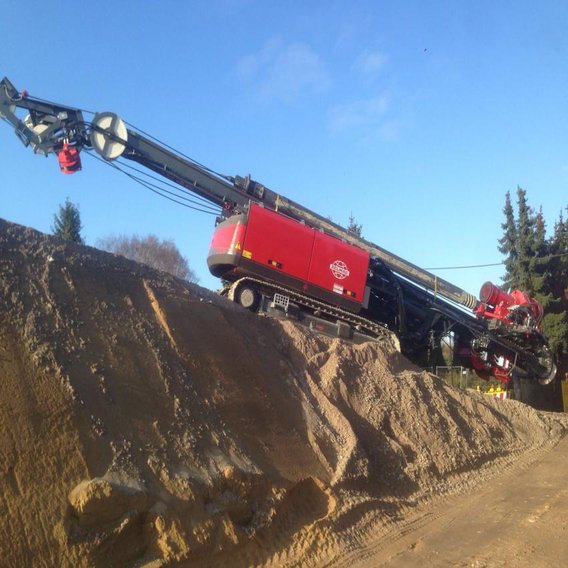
x=515 y=308
x=516 y=312
x=488 y=366
x=268 y=244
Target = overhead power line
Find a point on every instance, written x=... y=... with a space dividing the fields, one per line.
x=490 y=264
x=461 y=267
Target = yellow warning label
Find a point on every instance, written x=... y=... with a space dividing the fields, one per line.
x=247 y=254
x=238 y=246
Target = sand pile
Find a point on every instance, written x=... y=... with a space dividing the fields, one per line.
x=148 y=422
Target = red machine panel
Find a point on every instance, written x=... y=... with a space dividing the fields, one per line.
x=228 y=236
x=339 y=267
x=226 y=245
x=278 y=242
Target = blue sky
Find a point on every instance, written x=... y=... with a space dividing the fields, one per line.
x=415 y=116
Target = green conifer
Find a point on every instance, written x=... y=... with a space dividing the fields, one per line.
x=67 y=223
x=508 y=242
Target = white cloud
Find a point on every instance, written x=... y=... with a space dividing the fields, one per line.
x=364 y=113
x=284 y=71
x=371 y=64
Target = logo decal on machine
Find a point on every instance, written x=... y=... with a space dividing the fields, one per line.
x=339 y=269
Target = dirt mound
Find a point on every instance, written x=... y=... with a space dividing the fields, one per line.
x=148 y=422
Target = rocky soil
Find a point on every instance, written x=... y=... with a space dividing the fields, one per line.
x=148 y=422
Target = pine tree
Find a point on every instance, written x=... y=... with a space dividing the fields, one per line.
x=508 y=242
x=526 y=244
x=555 y=324
x=534 y=265
x=559 y=260
x=540 y=277
x=353 y=227
x=67 y=223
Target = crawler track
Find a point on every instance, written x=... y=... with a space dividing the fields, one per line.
x=321 y=309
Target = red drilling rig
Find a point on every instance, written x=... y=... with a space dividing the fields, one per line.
x=279 y=258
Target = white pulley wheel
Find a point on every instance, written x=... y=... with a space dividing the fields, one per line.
x=108 y=135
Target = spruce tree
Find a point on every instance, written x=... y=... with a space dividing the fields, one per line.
x=508 y=242
x=67 y=223
x=559 y=260
x=556 y=321
x=353 y=227
x=525 y=245
x=536 y=265
x=540 y=277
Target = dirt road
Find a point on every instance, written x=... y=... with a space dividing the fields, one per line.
x=517 y=520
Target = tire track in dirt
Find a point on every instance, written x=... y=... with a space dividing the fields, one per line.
x=400 y=537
